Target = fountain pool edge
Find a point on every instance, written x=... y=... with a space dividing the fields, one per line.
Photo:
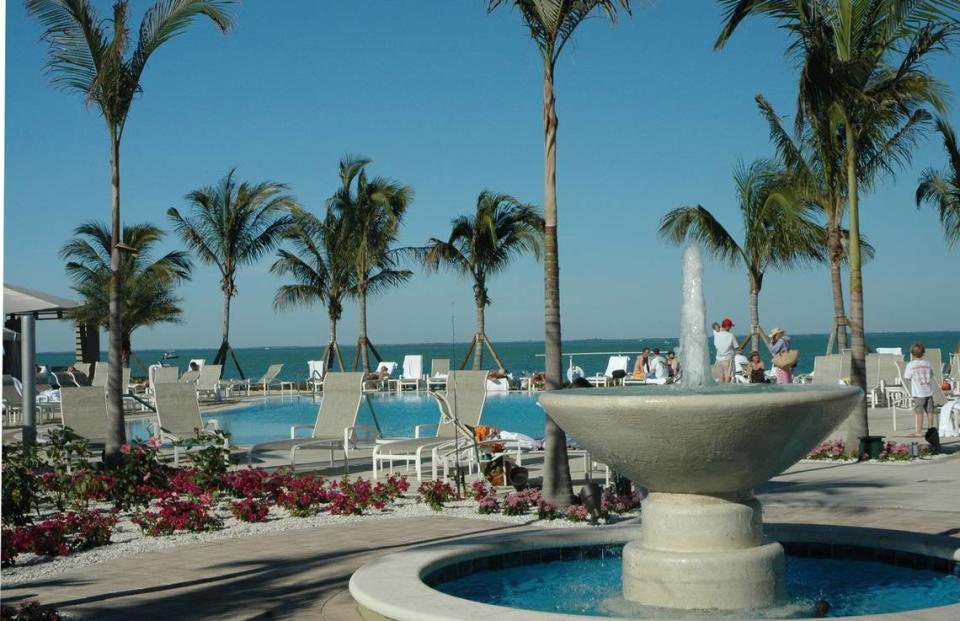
x=392 y=587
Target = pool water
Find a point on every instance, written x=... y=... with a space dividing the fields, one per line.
x=271 y=418
x=592 y=587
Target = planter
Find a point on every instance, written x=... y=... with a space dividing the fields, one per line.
x=871 y=445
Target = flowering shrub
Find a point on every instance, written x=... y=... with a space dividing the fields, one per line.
x=21 y=489
x=487 y=505
x=249 y=483
x=250 y=510
x=833 y=450
x=547 y=510
x=395 y=486
x=435 y=493
x=900 y=452
x=516 y=503
x=178 y=514
x=59 y=535
x=354 y=498
x=480 y=490
x=139 y=475
x=211 y=457
x=29 y=611
x=301 y=495
x=577 y=513
x=184 y=481
x=612 y=503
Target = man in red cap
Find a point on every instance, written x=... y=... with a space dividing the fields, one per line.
x=726 y=345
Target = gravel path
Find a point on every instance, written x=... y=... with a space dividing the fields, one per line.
x=128 y=540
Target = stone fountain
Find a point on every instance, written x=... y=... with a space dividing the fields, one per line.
x=701 y=448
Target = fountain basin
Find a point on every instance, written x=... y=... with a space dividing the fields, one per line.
x=404 y=585
x=705 y=440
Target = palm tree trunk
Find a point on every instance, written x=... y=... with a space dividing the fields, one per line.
x=836 y=260
x=557 y=486
x=330 y=352
x=754 y=316
x=362 y=341
x=126 y=350
x=116 y=433
x=857 y=424
x=221 y=357
x=479 y=337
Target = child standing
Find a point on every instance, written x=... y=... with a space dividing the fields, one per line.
x=920 y=374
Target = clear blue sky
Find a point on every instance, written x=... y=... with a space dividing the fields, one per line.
x=447 y=98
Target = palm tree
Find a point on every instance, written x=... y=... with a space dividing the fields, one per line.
x=231 y=226
x=551 y=24
x=321 y=269
x=941 y=189
x=780 y=230
x=815 y=161
x=863 y=64
x=85 y=58
x=148 y=297
x=500 y=230
x=372 y=214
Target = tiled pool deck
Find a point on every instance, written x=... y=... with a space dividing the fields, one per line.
x=303 y=574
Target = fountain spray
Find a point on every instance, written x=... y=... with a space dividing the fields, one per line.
x=694 y=351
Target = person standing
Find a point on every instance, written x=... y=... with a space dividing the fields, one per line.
x=726 y=344
x=920 y=374
x=780 y=344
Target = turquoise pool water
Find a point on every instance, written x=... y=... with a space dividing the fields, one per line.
x=592 y=587
x=270 y=419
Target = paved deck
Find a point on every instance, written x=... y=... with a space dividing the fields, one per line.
x=303 y=574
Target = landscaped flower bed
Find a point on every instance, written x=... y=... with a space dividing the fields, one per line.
x=835 y=450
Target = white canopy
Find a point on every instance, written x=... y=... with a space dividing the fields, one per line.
x=23 y=301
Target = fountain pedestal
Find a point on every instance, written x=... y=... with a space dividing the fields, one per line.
x=700 y=551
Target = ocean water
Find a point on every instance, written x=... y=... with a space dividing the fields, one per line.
x=520 y=357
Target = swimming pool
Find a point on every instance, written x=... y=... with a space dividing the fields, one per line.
x=271 y=418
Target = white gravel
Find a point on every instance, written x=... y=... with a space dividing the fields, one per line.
x=128 y=540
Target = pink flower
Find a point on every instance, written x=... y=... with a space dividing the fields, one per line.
x=205 y=498
x=125 y=449
x=154 y=442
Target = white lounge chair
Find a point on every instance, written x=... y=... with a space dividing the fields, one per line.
x=266 y=381
x=178 y=414
x=463 y=403
x=208 y=383
x=439 y=372
x=84 y=410
x=615 y=363
x=162 y=375
x=412 y=373
x=336 y=425
x=315 y=375
x=385 y=371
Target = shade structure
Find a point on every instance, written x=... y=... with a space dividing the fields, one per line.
x=23 y=301
x=30 y=305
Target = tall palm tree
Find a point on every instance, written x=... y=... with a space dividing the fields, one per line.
x=863 y=62
x=815 y=161
x=321 y=269
x=551 y=24
x=148 y=297
x=85 y=58
x=231 y=225
x=780 y=230
x=372 y=210
x=941 y=189
x=482 y=245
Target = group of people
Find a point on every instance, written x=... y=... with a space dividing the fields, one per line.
x=730 y=360
x=653 y=365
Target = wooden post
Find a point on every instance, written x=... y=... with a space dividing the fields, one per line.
x=493 y=353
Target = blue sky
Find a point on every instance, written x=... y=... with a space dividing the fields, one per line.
x=447 y=98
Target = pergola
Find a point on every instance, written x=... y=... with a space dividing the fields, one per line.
x=29 y=305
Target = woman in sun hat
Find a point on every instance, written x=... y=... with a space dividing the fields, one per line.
x=780 y=344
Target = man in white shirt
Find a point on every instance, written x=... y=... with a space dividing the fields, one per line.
x=726 y=344
x=920 y=374
x=658 y=365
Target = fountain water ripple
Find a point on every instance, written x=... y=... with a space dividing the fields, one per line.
x=694 y=350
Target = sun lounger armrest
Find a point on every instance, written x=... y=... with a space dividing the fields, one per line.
x=213 y=424
x=416 y=430
x=350 y=432
x=293 y=430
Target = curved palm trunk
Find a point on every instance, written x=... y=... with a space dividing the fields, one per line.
x=221 y=357
x=557 y=485
x=857 y=424
x=333 y=350
x=126 y=350
x=116 y=433
x=362 y=340
x=836 y=281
